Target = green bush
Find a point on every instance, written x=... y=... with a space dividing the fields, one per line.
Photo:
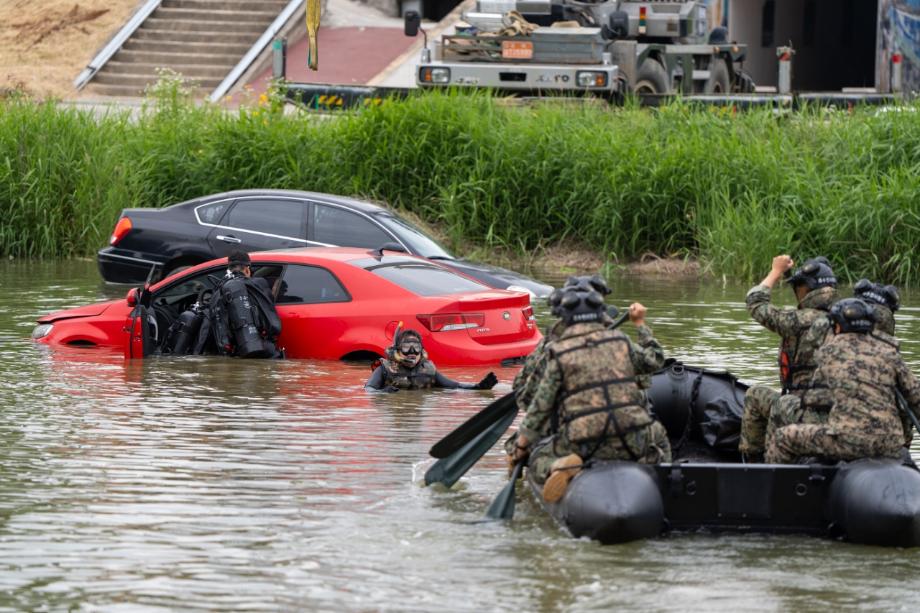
x=731 y=189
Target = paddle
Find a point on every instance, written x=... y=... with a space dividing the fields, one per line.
x=902 y=404
x=503 y=505
x=448 y=471
x=313 y=15
x=472 y=427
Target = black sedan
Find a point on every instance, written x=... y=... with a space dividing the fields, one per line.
x=154 y=243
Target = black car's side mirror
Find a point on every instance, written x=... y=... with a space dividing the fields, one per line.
x=378 y=253
x=411 y=23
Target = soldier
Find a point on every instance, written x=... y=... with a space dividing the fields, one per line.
x=857 y=380
x=588 y=397
x=884 y=298
x=803 y=331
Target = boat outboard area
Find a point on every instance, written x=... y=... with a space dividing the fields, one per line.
x=707 y=487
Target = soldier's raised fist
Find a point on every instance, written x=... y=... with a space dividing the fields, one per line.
x=782 y=263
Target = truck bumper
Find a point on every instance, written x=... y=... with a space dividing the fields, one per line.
x=587 y=78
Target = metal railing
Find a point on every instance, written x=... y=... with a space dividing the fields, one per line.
x=269 y=35
x=112 y=47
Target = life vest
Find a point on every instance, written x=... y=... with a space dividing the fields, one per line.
x=421 y=376
x=599 y=396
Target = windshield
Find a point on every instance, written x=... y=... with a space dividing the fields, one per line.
x=417 y=241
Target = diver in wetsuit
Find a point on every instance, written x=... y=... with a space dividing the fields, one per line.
x=241 y=319
x=406 y=366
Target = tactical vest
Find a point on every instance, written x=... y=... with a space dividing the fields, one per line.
x=797 y=353
x=599 y=396
x=422 y=376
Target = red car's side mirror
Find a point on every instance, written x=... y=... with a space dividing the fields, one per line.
x=131 y=297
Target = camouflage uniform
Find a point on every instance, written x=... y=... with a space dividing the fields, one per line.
x=803 y=331
x=885 y=321
x=589 y=396
x=855 y=382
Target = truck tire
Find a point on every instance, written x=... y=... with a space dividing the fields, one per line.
x=719 y=81
x=652 y=78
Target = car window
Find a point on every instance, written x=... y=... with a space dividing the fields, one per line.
x=278 y=217
x=335 y=226
x=418 y=241
x=208 y=279
x=309 y=285
x=211 y=213
x=427 y=280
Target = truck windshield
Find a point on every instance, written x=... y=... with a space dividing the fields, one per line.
x=416 y=240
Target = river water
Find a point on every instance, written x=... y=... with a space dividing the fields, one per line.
x=221 y=484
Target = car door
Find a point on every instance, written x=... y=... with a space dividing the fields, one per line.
x=340 y=227
x=313 y=305
x=260 y=223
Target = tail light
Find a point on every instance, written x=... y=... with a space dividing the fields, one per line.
x=122 y=228
x=443 y=322
x=528 y=313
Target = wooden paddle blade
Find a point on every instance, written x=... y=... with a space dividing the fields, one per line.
x=472 y=427
x=503 y=505
x=448 y=471
x=313 y=15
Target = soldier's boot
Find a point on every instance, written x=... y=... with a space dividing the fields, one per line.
x=561 y=472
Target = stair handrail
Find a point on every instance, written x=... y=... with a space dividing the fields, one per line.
x=234 y=75
x=112 y=47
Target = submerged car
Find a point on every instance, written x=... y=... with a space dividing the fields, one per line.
x=334 y=303
x=185 y=234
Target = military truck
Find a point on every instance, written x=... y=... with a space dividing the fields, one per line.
x=606 y=49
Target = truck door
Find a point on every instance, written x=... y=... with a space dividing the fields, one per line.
x=258 y=224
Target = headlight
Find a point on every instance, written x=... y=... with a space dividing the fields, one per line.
x=430 y=74
x=42 y=330
x=590 y=78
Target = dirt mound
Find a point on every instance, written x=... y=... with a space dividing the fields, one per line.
x=44 y=45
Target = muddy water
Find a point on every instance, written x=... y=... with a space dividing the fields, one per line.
x=221 y=484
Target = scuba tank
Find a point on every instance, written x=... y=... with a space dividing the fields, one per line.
x=247 y=339
x=184 y=330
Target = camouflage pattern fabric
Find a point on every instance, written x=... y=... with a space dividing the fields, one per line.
x=526 y=381
x=765 y=410
x=857 y=375
x=590 y=380
x=652 y=443
x=792 y=325
x=421 y=376
x=885 y=321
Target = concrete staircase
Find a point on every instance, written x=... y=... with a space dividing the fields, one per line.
x=201 y=39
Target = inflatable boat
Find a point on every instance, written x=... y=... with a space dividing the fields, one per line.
x=873 y=501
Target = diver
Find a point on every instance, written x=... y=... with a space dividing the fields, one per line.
x=406 y=366
x=241 y=319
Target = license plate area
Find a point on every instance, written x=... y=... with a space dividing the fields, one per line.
x=517 y=50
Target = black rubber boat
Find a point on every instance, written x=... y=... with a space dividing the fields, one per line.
x=875 y=502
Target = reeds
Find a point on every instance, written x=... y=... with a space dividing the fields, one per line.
x=731 y=189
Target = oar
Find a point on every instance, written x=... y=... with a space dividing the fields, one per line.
x=448 y=471
x=503 y=505
x=313 y=14
x=475 y=425
x=902 y=403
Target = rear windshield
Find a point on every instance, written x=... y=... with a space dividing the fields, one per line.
x=425 y=280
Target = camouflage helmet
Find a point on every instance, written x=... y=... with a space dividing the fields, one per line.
x=581 y=306
x=588 y=282
x=854 y=315
x=814 y=273
x=876 y=293
x=553 y=301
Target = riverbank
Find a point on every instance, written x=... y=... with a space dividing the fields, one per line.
x=728 y=191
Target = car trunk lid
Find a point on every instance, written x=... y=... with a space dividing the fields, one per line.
x=489 y=318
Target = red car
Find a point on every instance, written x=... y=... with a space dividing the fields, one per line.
x=335 y=303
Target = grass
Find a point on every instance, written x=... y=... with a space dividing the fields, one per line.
x=732 y=190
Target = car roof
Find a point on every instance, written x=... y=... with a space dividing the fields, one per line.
x=358 y=205
x=337 y=254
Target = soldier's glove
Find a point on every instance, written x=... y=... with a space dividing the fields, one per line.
x=390 y=389
x=488 y=382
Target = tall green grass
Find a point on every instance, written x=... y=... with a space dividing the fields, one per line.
x=731 y=189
